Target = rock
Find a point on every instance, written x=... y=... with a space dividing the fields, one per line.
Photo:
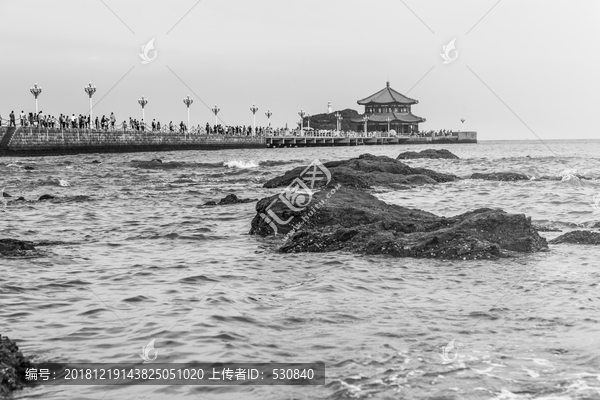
x=230 y=199
x=96 y=162
x=500 y=176
x=46 y=197
x=355 y=221
x=21 y=198
x=578 y=237
x=367 y=171
x=28 y=168
x=545 y=228
x=429 y=153
x=12 y=367
x=157 y=164
x=14 y=247
x=4 y=194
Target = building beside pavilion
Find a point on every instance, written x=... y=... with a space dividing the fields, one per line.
x=388 y=108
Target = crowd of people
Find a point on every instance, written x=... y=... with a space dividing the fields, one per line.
x=109 y=123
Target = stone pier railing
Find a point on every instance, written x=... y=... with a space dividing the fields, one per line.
x=42 y=141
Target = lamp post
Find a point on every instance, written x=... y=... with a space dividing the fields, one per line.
x=90 y=90
x=462 y=125
x=254 y=109
x=36 y=91
x=365 y=119
x=216 y=110
x=268 y=114
x=308 y=121
x=301 y=113
x=388 y=120
x=339 y=118
x=143 y=103
x=188 y=102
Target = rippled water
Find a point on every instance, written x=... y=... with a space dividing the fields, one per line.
x=143 y=258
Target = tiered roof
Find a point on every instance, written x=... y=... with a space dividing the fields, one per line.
x=387 y=95
x=408 y=118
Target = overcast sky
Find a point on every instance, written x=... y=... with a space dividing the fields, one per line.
x=524 y=68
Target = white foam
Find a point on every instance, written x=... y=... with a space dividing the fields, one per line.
x=242 y=164
x=568 y=174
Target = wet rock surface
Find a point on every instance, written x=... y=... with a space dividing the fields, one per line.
x=12 y=367
x=14 y=247
x=578 y=237
x=367 y=171
x=46 y=197
x=429 y=153
x=230 y=199
x=500 y=176
x=353 y=220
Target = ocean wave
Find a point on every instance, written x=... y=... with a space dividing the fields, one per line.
x=242 y=164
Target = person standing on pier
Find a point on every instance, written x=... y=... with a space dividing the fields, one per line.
x=113 y=120
x=158 y=126
x=22 y=118
x=12 y=119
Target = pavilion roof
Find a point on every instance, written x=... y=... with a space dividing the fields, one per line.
x=393 y=116
x=387 y=95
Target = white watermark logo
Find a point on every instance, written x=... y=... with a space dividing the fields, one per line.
x=446 y=350
x=446 y=52
x=146 y=352
x=298 y=195
x=147 y=48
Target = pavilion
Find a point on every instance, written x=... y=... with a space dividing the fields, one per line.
x=389 y=108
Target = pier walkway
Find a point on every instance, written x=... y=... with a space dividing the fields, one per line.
x=27 y=141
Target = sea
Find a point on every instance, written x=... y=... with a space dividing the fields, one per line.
x=139 y=257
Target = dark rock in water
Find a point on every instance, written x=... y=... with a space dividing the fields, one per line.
x=366 y=171
x=157 y=164
x=21 y=199
x=4 y=194
x=230 y=199
x=578 y=237
x=14 y=247
x=96 y=162
x=429 y=153
x=46 y=197
x=28 y=168
x=545 y=228
x=352 y=220
x=501 y=176
x=12 y=367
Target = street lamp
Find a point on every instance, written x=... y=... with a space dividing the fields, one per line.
x=188 y=102
x=339 y=118
x=143 y=103
x=254 y=109
x=216 y=110
x=462 y=120
x=36 y=91
x=365 y=119
x=268 y=114
x=90 y=90
x=388 y=119
x=308 y=120
x=301 y=113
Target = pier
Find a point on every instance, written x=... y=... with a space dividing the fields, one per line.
x=326 y=141
x=27 y=141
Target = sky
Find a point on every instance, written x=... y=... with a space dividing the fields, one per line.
x=522 y=70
